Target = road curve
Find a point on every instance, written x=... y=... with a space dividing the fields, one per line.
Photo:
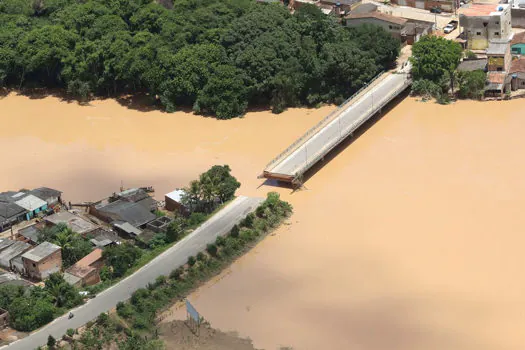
x=218 y=225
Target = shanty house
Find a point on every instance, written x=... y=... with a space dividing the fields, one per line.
x=86 y=271
x=10 y=213
x=32 y=204
x=43 y=260
x=74 y=222
x=173 y=201
x=101 y=238
x=12 y=251
x=49 y=195
x=29 y=234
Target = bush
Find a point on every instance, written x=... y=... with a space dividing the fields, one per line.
x=124 y=310
x=177 y=273
x=212 y=249
x=196 y=219
x=472 y=84
x=234 y=231
x=51 y=342
x=103 y=319
x=70 y=332
x=201 y=256
x=220 y=241
x=191 y=260
x=248 y=220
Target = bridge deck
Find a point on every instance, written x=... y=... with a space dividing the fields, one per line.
x=318 y=141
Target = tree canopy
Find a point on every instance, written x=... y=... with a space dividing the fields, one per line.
x=433 y=57
x=217 y=56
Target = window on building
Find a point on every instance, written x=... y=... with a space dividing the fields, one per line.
x=390 y=27
x=34 y=265
x=499 y=69
x=497 y=22
x=496 y=33
x=523 y=83
x=478 y=33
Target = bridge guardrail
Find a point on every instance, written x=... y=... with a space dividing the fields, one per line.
x=323 y=121
x=352 y=128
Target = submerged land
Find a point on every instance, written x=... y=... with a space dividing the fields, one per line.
x=413 y=230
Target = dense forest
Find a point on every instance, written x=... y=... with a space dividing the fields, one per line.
x=215 y=56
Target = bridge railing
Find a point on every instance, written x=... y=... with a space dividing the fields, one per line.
x=321 y=153
x=314 y=129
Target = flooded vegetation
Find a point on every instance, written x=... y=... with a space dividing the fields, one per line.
x=409 y=239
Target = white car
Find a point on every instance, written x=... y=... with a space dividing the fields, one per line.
x=449 y=28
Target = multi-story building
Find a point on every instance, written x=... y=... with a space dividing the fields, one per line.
x=482 y=23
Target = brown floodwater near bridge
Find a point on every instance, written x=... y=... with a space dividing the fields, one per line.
x=411 y=238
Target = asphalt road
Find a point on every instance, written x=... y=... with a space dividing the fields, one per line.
x=348 y=120
x=219 y=224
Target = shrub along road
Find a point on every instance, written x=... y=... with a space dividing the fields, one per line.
x=218 y=225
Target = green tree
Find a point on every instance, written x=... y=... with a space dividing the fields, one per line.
x=433 y=57
x=121 y=257
x=63 y=294
x=29 y=313
x=472 y=84
x=225 y=93
x=176 y=228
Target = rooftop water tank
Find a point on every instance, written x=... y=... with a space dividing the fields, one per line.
x=500 y=8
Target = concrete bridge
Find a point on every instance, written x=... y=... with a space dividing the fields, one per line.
x=292 y=163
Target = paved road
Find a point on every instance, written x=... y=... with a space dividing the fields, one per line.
x=219 y=224
x=349 y=119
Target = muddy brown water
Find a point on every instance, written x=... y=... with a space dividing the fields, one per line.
x=411 y=238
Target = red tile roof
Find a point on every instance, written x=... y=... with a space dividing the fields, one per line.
x=496 y=77
x=518 y=66
x=89 y=259
x=378 y=15
x=519 y=38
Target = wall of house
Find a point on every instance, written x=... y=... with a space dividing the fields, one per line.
x=480 y=29
x=518 y=82
x=518 y=18
x=42 y=269
x=91 y=278
x=4 y=318
x=426 y=4
x=518 y=49
x=394 y=29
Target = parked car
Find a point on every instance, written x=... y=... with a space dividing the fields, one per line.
x=436 y=10
x=450 y=27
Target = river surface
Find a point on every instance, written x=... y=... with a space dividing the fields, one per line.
x=410 y=238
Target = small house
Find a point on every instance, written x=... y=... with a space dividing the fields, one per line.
x=50 y=196
x=43 y=260
x=392 y=24
x=517 y=74
x=517 y=44
x=12 y=251
x=74 y=222
x=32 y=204
x=101 y=238
x=86 y=271
x=499 y=58
x=29 y=234
x=10 y=213
x=173 y=201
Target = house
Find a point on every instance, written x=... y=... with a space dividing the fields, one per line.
x=50 y=196
x=43 y=260
x=12 y=251
x=101 y=238
x=365 y=8
x=5 y=243
x=135 y=214
x=394 y=25
x=517 y=74
x=137 y=195
x=29 y=234
x=472 y=65
x=414 y=30
x=126 y=229
x=499 y=58
x=86 y=271
x=74 y=222
x=445 y=5
x=340 y=7
x=173 y=201
x=496 y=82
x=517 y=44
x=9 y=278
x=482 y=23
x=10 y=213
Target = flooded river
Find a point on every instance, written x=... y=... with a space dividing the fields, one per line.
x=411 y=238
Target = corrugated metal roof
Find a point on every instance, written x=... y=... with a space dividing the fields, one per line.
x=74 y=222
x=41 y=251
x=16 y=249
x=497 y=48
x=31 y=202
x=4 y=243
x=71 y=279
x=134 y=213
x=128 y=228
x=378 y=15
x=175 y=195
x=45 y=193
